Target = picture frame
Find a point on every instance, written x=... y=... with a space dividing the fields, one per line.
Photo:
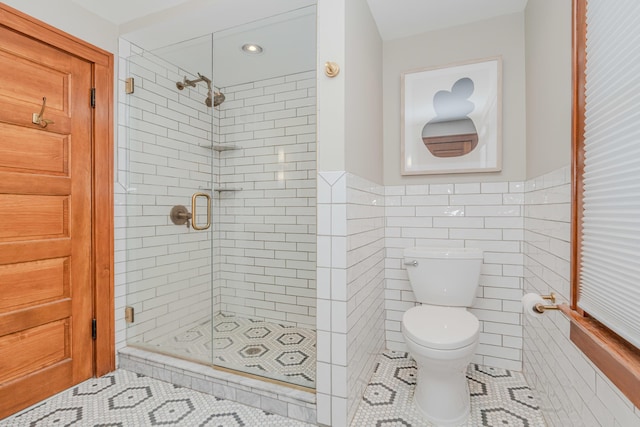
x=451 y=119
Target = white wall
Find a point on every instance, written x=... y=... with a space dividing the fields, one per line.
x=363 y=82
x=548 y=69
x=570 y=389
x=71 y=18
x=501 y=36
x=331 y=91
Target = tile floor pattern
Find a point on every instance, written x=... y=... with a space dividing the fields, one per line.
x=262 y=348
x=125 y=399
x=498 y=397
x=122 y=399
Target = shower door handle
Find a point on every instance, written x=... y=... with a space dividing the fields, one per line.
x=194 y=199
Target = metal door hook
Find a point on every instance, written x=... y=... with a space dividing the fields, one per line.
x=38 y=119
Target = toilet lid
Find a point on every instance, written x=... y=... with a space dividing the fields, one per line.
x=443 y=328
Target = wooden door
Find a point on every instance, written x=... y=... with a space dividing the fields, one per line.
x=46 y=301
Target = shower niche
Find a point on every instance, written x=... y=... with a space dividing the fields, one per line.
x=207 y=117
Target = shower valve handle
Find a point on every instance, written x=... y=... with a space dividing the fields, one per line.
x=185 y=216
x=180 y=215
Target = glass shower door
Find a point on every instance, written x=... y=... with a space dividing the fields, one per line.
x=168 y=184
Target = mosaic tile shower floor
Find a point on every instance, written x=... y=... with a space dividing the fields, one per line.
x=284 y=353
x=121 y=399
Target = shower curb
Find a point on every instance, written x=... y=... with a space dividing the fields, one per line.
x=297 y=404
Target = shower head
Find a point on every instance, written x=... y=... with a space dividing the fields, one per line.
x=214 y=99
x=218 y=98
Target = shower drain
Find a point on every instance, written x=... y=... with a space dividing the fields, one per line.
x=252 y=350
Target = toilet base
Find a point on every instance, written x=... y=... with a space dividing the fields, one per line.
x=443 y=401
x=442 y=392
x=456 y=411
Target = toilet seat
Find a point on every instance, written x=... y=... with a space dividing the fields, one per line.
x=441 y=328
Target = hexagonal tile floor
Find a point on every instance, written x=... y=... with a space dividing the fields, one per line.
x=125 y=399
x=261 y=348
x=499 y=397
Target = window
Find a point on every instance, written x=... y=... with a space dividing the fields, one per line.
x=606 y=189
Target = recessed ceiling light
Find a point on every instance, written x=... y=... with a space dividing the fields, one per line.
x=252 y=48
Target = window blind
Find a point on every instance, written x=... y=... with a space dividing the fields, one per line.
x=610 y=254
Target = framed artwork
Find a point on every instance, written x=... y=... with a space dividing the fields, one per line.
x=452 y=118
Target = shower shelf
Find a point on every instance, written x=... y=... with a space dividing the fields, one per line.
x=221 y=147
x=221 y=189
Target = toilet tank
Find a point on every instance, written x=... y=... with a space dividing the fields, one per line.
x=444 y=276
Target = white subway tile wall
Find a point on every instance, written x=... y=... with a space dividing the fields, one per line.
x=569 y=388
x=267 y=230
x=364 y=338
x=163 y=269
x=482 y=215
x=350 y=321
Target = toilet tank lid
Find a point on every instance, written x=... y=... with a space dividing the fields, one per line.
x=443 y=253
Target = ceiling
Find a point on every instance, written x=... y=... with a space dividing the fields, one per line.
x=178 y=29
x=395 y=18
x=402 y=18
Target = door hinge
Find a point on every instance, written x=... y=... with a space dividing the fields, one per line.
x=129 y=85
x=129 y=314
x=93 y=97
x=94 y=329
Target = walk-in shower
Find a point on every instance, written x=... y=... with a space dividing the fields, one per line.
x=241 y=294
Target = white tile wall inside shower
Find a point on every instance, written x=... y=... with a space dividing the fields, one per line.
x=268 y=228
x=483 y=215
x=570 y=389
x=164 y=269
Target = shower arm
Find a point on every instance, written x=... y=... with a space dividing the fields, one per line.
x=213 y=99
x=192 y=83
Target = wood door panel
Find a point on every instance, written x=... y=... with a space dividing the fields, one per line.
x=46 y=71
x=12 y=252
x=28 y=351
x=33 y=151
x=21 y=113
x=37 y=386
x=33 y=217
x=32 y=283
x=17 y=45
x=24 y=183
x=31 y=317
x=43 y=81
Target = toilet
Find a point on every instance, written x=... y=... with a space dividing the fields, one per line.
x=441 y=335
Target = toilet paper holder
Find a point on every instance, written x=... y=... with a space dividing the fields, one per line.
x=541 y=308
